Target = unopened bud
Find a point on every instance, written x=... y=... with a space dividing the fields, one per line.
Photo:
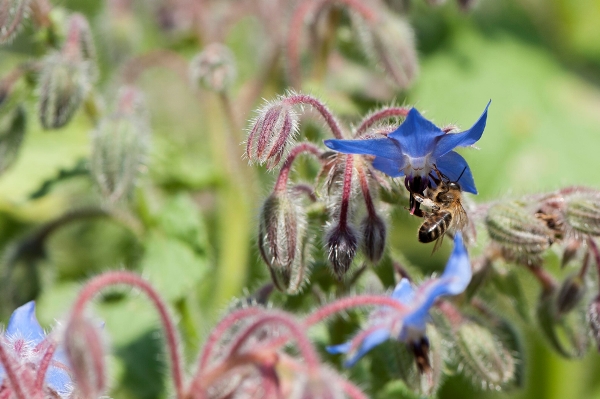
x=570 y=251
x=483 y=356
x=281 y=240
x=272 y=134
x=593 y=316
x=120 y=146
x=12 y=13
x=320 y=385
x=342 y=242
x=85 y=351
x=213 y=68
x=570 y=294
x=517 y=230
x=62 y=86
x=583 y=215
x=373 y=231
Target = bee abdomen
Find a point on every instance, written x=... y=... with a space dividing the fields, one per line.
x=434 y=227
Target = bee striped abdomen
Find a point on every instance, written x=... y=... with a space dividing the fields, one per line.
x=435 y=226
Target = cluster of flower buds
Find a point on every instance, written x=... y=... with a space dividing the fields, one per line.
x=415 y=149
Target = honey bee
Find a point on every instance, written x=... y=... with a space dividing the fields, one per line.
x=447 y=212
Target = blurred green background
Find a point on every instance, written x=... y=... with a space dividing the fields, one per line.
x=538 y=61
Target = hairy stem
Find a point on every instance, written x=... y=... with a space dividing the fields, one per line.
x=378 y=116
x=352 y=302
x=334 y=126
x=284 y=172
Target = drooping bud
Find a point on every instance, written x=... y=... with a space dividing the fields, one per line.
x=342 y=243
x=12 y=13
x=85 y=350
x=583 y=215
x=281 y=240
x=373 y=232
x=570 y=251
x=390 y=42
x=213 y=68
x=62 y=86
x=593 y=316
x=120 y=146
x=515 y=229
x=570 y=294
x=80 y=44
x=483 y=356
x=272 y=133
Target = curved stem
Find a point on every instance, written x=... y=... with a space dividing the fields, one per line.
x=364 y=186
x=284 y=172
x=384 y=113
x=294 y=99
x=352 y=302
x=105 y=280
x=293 y=42
x=11 y=373
x=44 y=365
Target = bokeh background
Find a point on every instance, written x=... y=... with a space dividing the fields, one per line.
x=193 y=234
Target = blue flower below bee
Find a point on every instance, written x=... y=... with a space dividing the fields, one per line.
x=409 y=326
x=416 y=148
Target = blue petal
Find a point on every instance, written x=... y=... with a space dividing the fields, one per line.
x=390 y=167
x=403 y=292
x=416 y=135
x=450 y=141
x=453 y=165
x=372 y=340
x=337 y=349
x=23 y=324
x=384 y=147
x=59 y=378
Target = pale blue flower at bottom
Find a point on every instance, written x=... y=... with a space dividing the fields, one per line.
x=409 y=326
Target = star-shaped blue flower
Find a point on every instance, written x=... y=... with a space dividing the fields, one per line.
x=409 y=326
x=416 y=148
x=28 y=341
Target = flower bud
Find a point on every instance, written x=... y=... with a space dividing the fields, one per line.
x=62 y=86
x=583 y=215
x=373 y=232
x=281 y=240
x=483 y=356
x=12 y=13
x=272 y=134
x=342 y=242
x=570 y=294
x=120 y=146
x=315 y=386
x=85 y=351
x=515 y=229
x=213 y=68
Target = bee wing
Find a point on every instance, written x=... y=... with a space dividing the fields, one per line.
x=460 y=218
x=438 y=243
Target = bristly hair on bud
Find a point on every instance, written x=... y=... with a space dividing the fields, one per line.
x=342 y=243
x=282 y=240
x=12 y=13
x=272 y=133
x=120 y=145
x=373 y=232
x=583 y=214
x=593 y=317
x=214 y=68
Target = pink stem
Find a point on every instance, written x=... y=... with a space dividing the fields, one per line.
x=44 y=365
x=304 y=344
x=281 y=184
x=333 y=124
x=102 y=281
x=346 y=191
x=364 y=185
x=10 y=371
x=380 y=115
x=293 y=42
x=352 y=302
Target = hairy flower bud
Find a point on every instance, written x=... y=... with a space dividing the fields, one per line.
x=373 y=232
x=213 y=68
x=120 y=146
x=281 y=240
x=62 y=87
x=483 y=356
x=570 y=294
x=85 y=351
x=12 y=13
x=517 y=230
x=593 y=316
x=342 y=242
x=272 y=133
x=583 y=215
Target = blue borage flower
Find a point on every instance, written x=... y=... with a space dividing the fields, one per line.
x=409 y=326
x=416 y=148
x=28 y=342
